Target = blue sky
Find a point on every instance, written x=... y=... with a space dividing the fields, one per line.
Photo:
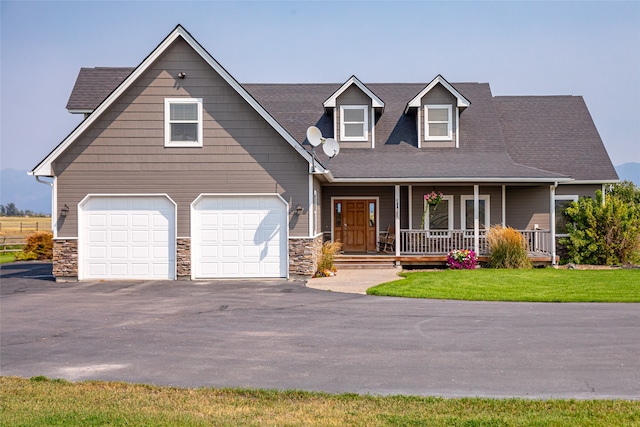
x=590 y=49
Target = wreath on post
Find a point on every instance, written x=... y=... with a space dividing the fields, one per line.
x=431 y=199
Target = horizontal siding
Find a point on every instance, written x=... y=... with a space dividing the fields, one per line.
x=528 y=206
x=123 y=151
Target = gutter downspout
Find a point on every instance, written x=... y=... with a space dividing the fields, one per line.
x=54 y=222
x=552 y=221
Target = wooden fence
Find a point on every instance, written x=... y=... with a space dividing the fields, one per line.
x=12 y=243
x=24 y=227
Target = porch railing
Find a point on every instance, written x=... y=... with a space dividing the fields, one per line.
x=423 y=242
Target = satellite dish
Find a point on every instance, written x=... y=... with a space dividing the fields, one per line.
x=314 y=136
x=331 y=148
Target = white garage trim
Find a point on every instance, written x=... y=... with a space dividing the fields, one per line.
x=239 y=235
x=127 y=236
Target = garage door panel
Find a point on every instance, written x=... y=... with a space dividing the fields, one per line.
x=246 y=232
x=230 y=235
x=118 y=252
x=120 y=236
x=98 y=270
x=251 y=252
x=97 y=219
x=230 y=219
x=231 y=268
x=128 y=237
x=118 y=270
x=230 y=251
x=140 y=220
x=97 y=236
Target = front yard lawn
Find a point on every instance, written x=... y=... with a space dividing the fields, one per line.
x=535 y=285
x=7 y=257
x=40 y=401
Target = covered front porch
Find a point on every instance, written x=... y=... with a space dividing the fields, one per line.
x=380 y=222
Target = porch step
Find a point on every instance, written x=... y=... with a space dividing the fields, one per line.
x=347 y=261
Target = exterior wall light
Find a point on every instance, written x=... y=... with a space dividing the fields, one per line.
x=65 y=210
x=299 y=210
x=182 y=75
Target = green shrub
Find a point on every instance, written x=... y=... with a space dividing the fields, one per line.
x=325 y=263
x=605 y=233
x=39 y=247
x=507 y=248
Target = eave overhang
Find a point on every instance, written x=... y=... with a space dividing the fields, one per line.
x=462 y=102
x=376 y=102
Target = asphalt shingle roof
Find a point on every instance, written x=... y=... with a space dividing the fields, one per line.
x=527 y=137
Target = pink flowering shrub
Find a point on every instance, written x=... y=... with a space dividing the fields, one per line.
x=462 y=259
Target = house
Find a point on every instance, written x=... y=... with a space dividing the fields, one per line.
x=179 y=171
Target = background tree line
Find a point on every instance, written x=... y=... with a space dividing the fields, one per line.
x=10 y=209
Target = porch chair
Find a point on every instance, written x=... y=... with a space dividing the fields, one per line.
x=387 y=242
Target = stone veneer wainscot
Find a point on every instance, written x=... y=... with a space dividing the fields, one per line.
x=304 y=253
x=65 y=260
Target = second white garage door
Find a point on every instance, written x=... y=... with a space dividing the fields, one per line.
x=239 y=236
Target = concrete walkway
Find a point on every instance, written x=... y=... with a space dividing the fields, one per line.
x=354 y=281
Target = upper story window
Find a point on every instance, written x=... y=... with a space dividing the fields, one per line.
x=438 y=123
x=354 y=123
x=183 y=122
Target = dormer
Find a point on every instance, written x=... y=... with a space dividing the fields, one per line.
x=354 y=108
x=437 y=110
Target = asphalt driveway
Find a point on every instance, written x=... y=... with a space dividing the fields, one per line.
x=281 y=334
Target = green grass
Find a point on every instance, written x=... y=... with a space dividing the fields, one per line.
x=40 y=401
x=534 y=285
x=7 y=257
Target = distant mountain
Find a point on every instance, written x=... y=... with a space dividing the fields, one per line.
x=629 y=172
x=24 y=191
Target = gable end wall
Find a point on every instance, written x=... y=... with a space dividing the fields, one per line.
x=123 y=152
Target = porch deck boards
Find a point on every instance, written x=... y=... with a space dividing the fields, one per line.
x=385 y=260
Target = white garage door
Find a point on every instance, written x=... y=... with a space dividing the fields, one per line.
x=239 y=236
x=127 y=237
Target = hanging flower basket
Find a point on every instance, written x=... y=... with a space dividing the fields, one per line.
x=431 y=199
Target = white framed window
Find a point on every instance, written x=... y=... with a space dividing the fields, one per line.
x=183 y=122
x=439 y=218
x=484 y=212
x=354 y=122
x=438 y=124
x=561 y=203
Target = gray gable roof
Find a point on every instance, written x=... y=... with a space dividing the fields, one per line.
x=501 y=138
x=93 y=85
x=555 y=133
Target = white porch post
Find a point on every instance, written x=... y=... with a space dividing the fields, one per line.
x=552 y=221
x=476 y=218
x=397 y=223
x=410 y=207
x=504 y=205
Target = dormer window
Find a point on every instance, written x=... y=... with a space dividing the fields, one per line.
x=437 y=123
x=354 y=123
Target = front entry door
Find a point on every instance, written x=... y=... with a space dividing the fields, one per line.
x=355 y=224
